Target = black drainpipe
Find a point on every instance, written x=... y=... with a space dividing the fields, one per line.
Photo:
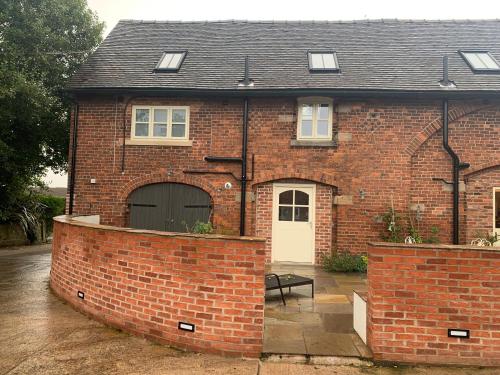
x=244 y=168
x=457 y=165
x=124 y=130
x=73 y=159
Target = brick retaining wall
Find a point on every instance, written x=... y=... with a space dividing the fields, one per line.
x=146 y=282
x=417 y=292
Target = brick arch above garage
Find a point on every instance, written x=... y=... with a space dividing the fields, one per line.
x=163 y=177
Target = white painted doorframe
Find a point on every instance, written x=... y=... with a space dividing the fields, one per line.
x=277 y=239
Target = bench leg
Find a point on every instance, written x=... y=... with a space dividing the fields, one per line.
x=312 y=289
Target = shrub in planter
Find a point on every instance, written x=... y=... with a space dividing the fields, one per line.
x=344 y=261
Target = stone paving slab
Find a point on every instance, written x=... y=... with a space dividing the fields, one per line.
x=324 y=323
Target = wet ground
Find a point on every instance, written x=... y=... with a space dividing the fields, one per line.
x=314 y=326
x=40 y=334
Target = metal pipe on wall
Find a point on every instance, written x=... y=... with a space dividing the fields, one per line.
x=73 y=159
x=244 y=168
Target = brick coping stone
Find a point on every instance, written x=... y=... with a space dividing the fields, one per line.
x=434 y=246
x=70 y=219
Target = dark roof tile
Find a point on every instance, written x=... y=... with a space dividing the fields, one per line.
x=373 y=55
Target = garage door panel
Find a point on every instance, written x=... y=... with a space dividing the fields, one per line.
x=168 y=207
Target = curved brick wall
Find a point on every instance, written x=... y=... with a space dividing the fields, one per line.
x=417 y=292
x=146 y=282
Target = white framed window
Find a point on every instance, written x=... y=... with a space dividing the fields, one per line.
x=171 y=61
x=314 y=119
x=323 y=61
x=160 y=123
x=481 y=61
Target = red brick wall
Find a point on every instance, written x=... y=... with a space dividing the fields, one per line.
x=416 y=293
x=387 y=148
x=146 y=282
x=479 y=202
x=323 y=218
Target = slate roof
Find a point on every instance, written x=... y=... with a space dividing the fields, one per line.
x=393 y=55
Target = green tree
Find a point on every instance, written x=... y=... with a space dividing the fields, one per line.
x=42 y=43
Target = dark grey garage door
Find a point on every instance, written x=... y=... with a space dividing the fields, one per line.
x=168 y=207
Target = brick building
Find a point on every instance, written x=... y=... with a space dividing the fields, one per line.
x=324 y=125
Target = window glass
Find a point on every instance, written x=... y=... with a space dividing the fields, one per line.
x=488 y=61
x=179 y=115
x=286 y=197
x=142 y=115
x=301 y=214
x=315 y=121
x=322 y=128
x=307 y=111
x=160 y=115
x=329 y=61
x=481 y=60
x=160 y=130
x=322 y=61
x=306 y=130
x=317 y=61
x=161 y=122
x=285 y=213
x=323 y=111
x=475 y=61
x=178 y=130
x=141 y=129
x=301 y=198
x=171 y=61
x=293 y=206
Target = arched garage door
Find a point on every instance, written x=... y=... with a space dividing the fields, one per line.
x=168 y=207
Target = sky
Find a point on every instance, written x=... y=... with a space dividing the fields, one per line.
x=111 y=11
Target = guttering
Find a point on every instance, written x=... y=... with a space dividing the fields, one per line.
x=73 y=159
x=457 y=166
x=347 y=93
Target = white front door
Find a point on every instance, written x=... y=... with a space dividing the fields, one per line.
x=293 y=223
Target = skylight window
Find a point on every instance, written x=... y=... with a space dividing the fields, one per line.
x=481 y=61
x=323 y=61
x=171 y=61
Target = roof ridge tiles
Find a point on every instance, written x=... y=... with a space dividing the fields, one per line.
x=361 y=21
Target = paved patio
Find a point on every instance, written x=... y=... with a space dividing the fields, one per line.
x=319 y=326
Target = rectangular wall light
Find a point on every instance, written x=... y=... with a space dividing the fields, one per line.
x=80 y=295
x=186 y=327
x=460 y=333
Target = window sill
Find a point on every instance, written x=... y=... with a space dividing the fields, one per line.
x=312 y=143
x=159 y=142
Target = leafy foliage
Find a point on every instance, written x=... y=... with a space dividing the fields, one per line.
x=345 y=262
x=42 y=43
x=202 y=228
x=52 y=206
x=395 y=231
x=393 y=227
